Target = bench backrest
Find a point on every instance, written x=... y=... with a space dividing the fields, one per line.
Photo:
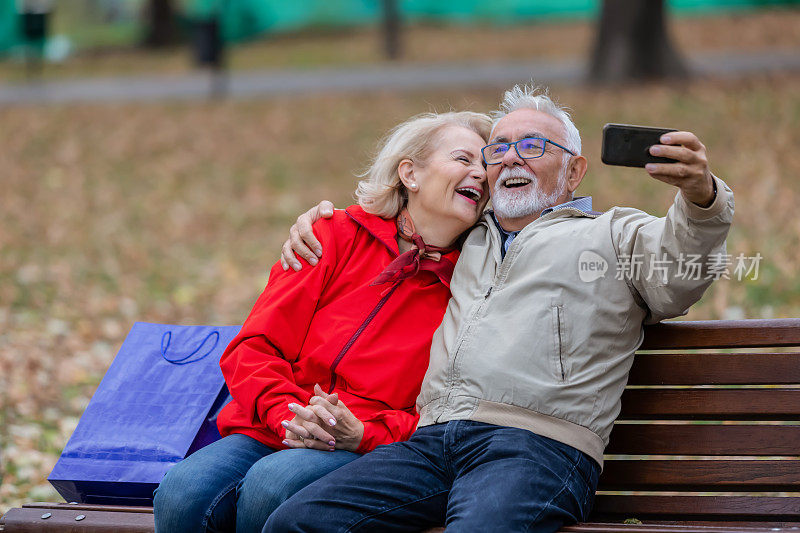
x=708 y=435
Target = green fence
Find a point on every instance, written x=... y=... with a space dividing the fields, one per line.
x=242 y=19
x=9 y=25
x=246 y=19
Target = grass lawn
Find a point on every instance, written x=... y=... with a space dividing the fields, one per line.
x=175 y=212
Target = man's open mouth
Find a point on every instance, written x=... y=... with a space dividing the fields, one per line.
x=470 y=193
x=512 y=183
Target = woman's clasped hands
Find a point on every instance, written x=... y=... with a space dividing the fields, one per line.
x=324 y=424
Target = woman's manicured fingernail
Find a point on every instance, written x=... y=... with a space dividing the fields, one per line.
x=285 y=423
x=331 y=443
x=666 y=138
x=318 y=251
x=312 y=261
x=285 y=442
x=292 y=406
x=650 y=167
x=655 y=150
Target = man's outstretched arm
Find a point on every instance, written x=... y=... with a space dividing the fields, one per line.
x=302 y=240
x=670 y=259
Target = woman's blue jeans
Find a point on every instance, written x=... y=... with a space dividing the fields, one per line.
x=234 y=484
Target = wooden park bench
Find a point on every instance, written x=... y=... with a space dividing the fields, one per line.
x=707 y=440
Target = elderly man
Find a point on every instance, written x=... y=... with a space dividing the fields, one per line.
x=530 y=361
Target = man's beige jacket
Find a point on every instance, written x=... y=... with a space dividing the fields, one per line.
x=543 y=339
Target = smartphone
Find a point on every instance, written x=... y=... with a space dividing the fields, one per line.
x=628 y=146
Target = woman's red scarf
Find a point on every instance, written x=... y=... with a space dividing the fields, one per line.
x=421 y=256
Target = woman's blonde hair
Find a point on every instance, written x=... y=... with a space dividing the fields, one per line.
x=381 y=192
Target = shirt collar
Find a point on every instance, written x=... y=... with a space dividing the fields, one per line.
x=581 y=203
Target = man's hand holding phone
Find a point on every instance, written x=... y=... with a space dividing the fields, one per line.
x=674 y=157
x=690 y=172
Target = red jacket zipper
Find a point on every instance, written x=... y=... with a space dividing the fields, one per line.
x=357 y=334
x=369 y=318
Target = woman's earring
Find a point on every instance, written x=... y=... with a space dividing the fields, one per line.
x=413 y=186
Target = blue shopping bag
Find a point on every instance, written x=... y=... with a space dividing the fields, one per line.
x=157 y=404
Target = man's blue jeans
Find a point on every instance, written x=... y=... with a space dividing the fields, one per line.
x=468 y=475
x=235 y=483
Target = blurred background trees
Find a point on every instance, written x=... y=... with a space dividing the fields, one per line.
x=631 y=39
x=160 y=24
x=633 y=43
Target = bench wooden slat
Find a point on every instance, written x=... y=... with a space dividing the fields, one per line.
x=693 y=474
x=715 y=369
x=62 y=519
x=691 y=439
x=89 y=507
x=722 y=334
x=774 y=404
x=680 y=527
x=698 y=505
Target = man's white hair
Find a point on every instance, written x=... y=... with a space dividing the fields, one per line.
x=533 y=97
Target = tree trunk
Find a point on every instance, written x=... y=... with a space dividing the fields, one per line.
x=391 y=29
x=632 y=43
x=161 y=28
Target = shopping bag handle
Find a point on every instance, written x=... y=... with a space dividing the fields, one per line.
x=167 y=338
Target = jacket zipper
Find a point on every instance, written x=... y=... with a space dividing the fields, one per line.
x=451 y=379
x=369 y=317
x=357 y=334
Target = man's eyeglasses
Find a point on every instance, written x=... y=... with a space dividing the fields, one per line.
x=529 y=148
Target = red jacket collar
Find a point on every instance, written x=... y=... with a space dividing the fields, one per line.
x=385 y=230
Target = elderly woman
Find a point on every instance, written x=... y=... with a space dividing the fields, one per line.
x=329 y=363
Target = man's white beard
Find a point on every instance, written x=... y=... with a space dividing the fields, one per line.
x=525 y=201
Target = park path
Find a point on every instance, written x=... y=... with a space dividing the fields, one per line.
x=271 y=83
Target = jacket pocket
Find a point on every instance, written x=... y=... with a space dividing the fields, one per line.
x=559 y=352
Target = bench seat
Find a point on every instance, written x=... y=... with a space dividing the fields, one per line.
x=708 y=440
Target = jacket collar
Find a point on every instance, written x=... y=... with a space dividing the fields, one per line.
x=383 y=229
x=578 y=207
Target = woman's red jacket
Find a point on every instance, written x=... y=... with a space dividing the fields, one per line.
x=328 y=325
